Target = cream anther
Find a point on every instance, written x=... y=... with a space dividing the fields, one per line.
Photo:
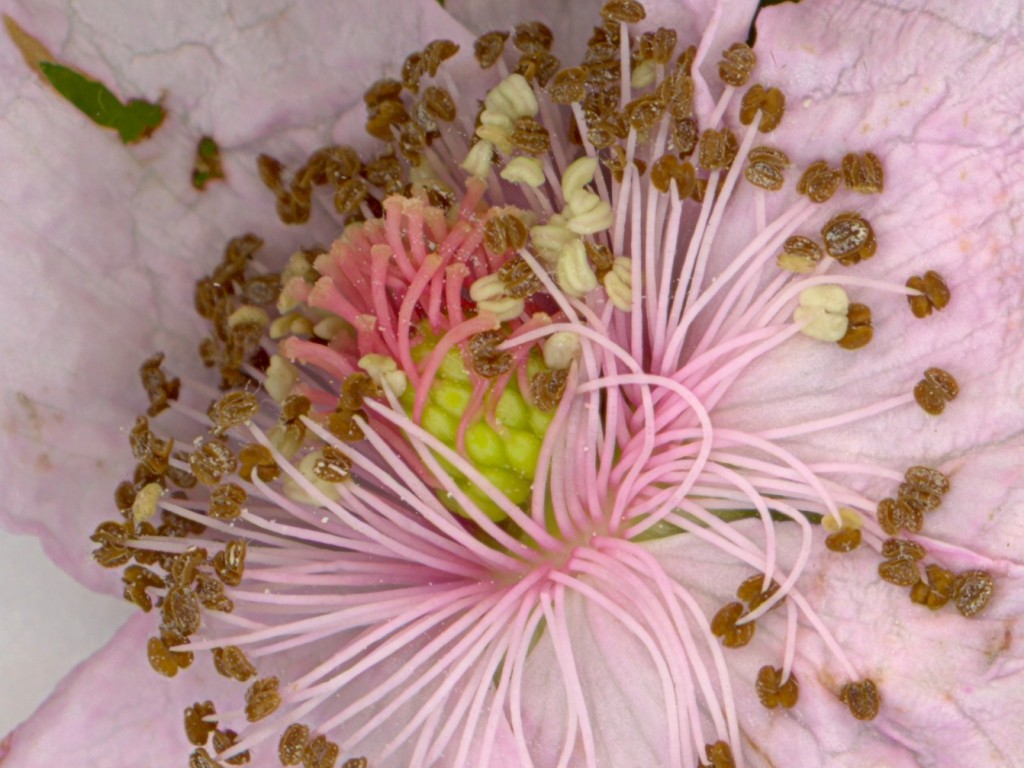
x=851 y=520
x=328 y=327
x=590 y=214
x=573 y=271
x=281 y=377
x=549 y=239
x=644 y=75
x=296 y=492
x=618 y=284
x=248 y=315
x=560 y=349
x=145 y=503
x=823 y=310
x=487 y=288
x=524 y=170
x=384 y=372
x=506 y=308
x=579 y=173
x=478 y=160
x=513 y=97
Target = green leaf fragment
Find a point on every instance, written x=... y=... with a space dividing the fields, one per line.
x=133 y=121
x=207 y=165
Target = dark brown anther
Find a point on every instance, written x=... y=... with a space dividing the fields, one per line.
x=773 y=692
x=547 y=388
x=894 y=516
x=623 y=11
x=294 y=407
x=161 y=658
x=382 y=90
x=769 y=102
x=568 y=86
x=819 y=182
x=863 y=173
x=530 y=136
x=937 y=591
x=750 y=592
x=333 y=466
x=181 y=611
x=934 y=294
x=518 y=278
x=224 y=741
x=538 y=66
x=716 y=149
x=485 y=358
x=736 y=65
x=149 y=449
x=936 y=389
x=293 y=743
x=668 y=169
x=270 y=170
x=531 y=36
x=844 y=540
x=765 y=168
x=436 y=106
x=226 y=501
x=231 y=662
x=902 y=549
x=971 y=591
x=862 y=698
x=902 y=573
x=437 y=52
x=233 y=409
x=657 y=46
x=724 y=625
x=257 y=458
x=180 y=477
x=601 y=258
x=200 y=758
x=350 y=195
x=159 y=389
x=858 y=329
x=197 y=727
x=488 y=48
x=644 y=112
x=917 y=498
x=211 y=461
x=720 y=755
x=354 y=389
x=849 y=238
x=685 y=136
x=343 y=426
x=262 y=699
x=320 y=753
x=230 y=563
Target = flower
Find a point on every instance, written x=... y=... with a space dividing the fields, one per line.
x=604 y=671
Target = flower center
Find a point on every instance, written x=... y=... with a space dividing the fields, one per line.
x=506 y=377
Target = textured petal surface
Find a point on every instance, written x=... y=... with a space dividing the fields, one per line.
x=103 y=242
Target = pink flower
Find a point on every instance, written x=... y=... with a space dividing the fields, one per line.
x=598 y=423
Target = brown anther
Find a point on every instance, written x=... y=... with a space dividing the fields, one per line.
x=720 y=755
x=862 y=698
x=356 y=762
x=863 y=173
x=532 y=36
x=293 y=743
x=382 y=90
x=934 y=294
x=292 y=210
x=769 y=102
x=724 y=625
x=601 y=258
x=224 y=741
x=350 y=195
x=137 y=580
x=902 y=549
x=601 y=135
x=936 y=389
x=530 y=136
x=657 y=46
x=547 y=388
x=894 y=516
x=928 y=479
x=858 y=329
x=333 y=467
x=488 y=48
x=294 y=407
x=750 y=591
x=153 y=452
x=261 y=289
x=320 y=753
x=844 y=540
x=159 y=389
x=568 y=86
x=412 y=140
x=233 y=409
x=262 y=699
x=200 y=758
x=971 y=591
x=197 y=727
x=180 y=477
x=485 y=358
x=736 y=65
x=179 y=527
x=902 y=573
x=270 y=170
x=343 y=426
x=437 y=52
x=937 y=591
x=849 y=238
x=819 y=182
x=644 y=112
x=257 y=458
x=230 y=563
x=623 y=11
x=231 y=662
x=676 y=90
x=518 y=278
x=436 y=105
x=538 y=66
x=355 y=388
x=162 y=659
x=765 y=168
x=211 y=461
x=773 y=692
x=716 y=149
x=668 y=169
x=685 y=136
x=918 y=498
x=226 y=501
x=181 y=611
